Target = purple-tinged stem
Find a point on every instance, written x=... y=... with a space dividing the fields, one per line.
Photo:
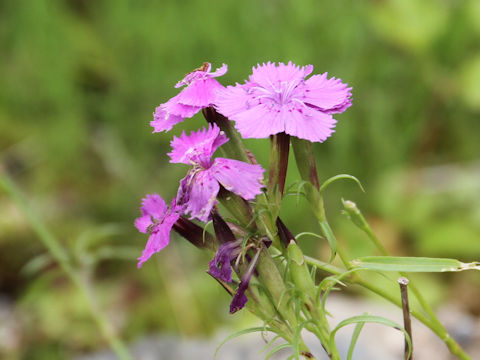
x=407 y=323
x=195 y=234
x=280 y=148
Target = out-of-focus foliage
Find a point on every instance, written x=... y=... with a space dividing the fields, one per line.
x=79 y=82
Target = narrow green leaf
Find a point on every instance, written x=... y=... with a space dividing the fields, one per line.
x=340 y=177
x=323 y=265
x=313 y=272
x=299 y=190
x=205 y=231
x=327 y=285
x=355 y=335
x=269 y=343
x=371 y=319
x=412 y=264
x=240 y=333
x=332 y=241
x=308 y=233
x=36 y=264
x=296 y=339
x=277 y=349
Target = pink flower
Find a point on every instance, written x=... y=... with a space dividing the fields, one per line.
x=278 y=99
x=200 y=92
x=198 y=190
x=157 y=220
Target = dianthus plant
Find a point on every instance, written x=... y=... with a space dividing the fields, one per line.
x=255 y=257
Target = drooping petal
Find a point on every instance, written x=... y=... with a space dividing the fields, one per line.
x=241 y=178
x=240 y=299
x=159 y=238
x=198 y=147
x=171 y=113
x=310 y=124
x=327 y=94
x=198 y=194
x=164 y=122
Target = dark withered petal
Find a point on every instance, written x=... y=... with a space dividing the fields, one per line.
x=220 y=266
x=240 y=299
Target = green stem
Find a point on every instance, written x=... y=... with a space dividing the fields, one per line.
x=440 y=331
x=271 y=277
x=332 y=269
x=423 y=303
x=62 y=258
x=322 y=330
x=305 y=159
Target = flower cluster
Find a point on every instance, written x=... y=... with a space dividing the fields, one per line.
x=197 y=194
x=275 y=99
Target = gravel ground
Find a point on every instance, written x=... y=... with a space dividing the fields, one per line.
x=376 y=342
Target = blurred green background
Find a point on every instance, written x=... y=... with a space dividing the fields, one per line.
x=80 y=80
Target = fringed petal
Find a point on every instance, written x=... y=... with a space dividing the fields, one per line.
x=241 y=178
x=198 y=147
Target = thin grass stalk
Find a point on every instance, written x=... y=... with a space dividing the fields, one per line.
x=61 y=257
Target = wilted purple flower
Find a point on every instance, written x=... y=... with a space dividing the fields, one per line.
x=220 y=267
x=278 y=99
x=198 y=190
x=200 y=92
x=240 y=299
x=157 y=220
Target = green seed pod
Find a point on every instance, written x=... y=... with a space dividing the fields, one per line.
x=299 y=271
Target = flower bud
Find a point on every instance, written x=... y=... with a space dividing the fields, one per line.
x=284 y=233
x=354 y=214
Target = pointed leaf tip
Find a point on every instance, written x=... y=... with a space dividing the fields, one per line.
x=331 y=180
